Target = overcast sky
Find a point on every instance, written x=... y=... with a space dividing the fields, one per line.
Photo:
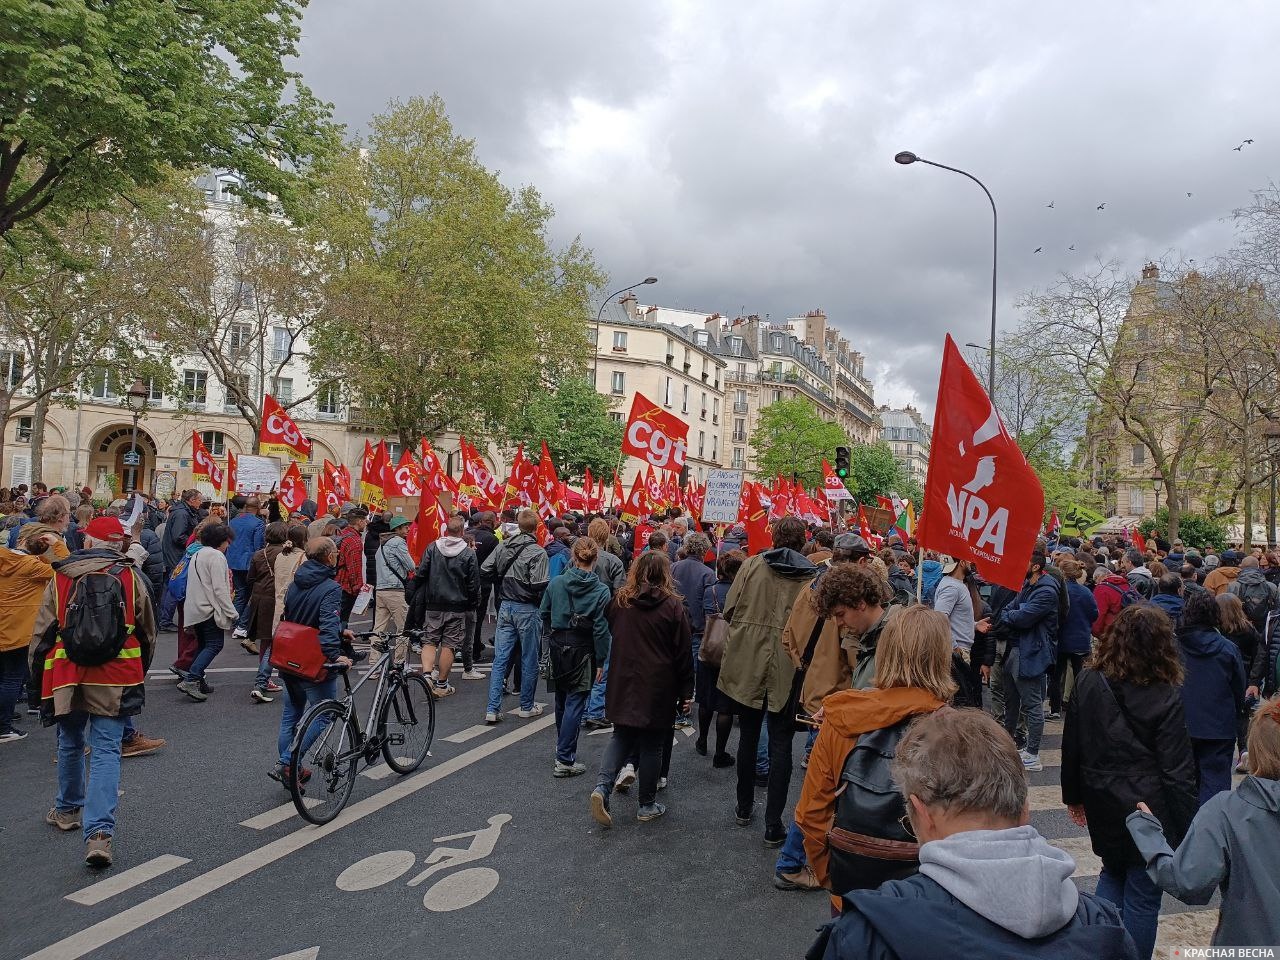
x=743 y=151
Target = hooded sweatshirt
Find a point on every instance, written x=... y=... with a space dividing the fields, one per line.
x=1170 y=603
x=450 y=576
x=846 y=716
x=1213 y=691
x=1220 y=578
x=1233 y=843
x=982 y=893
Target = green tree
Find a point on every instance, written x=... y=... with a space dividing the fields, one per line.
x=1194 y=529
x=790 y=438
x=98 y=98
x=574 y=420
x=874 y=470
x=447 y=306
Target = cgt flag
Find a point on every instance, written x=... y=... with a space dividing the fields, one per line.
x=233 y=476
x=293 y=489
x=832 y=485
x=983 y=502
x=279 y=434
x=202 y=465
x=658 y=438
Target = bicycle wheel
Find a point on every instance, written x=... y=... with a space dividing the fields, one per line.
x=407 y=723
x=322 y=775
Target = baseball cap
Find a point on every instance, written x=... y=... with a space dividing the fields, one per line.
x=851 y=543
x=105 y=528
x=948 y=563
x=398 y=522
x=1230 y=556
x=353 y=510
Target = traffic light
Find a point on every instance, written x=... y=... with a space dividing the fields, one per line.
x=842 y=462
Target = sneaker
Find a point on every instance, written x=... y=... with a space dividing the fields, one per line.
x=651 y=811
x=561 y=770
x=1053 y=717
x=682 y=723
x=250 y=647
x=259 y=695
x=1241 y=767
x=239 y=633
x=64 y=819
x=802 y=879
x=177 y=673
x=626 y=777
x=13 y=736
x=1031 y=763
x=762 y=779
x=662 y=783
x=472 y=675
x=97 y=851
x=600 y=807
x=140 y=745
x=534 y=711
x=722 y=761
x=434 y=674
x=205 y=687
x=742 y=819
x=442 y=690
x=775 y=836
x=700 y=747
x=597 y=723
x=33 y=711
x=282 y=772
x=192 y=689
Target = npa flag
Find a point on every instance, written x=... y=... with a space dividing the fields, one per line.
x=982 y=502
x=404 y=479
x=233 y=476
x=832 y=485
x=279 y=434
x=658 y=438
x=293 y=489
x=372 y=471
x=202 y=465
x=634 y=507
x=757 y=521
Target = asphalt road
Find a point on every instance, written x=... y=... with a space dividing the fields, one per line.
x=211 y=861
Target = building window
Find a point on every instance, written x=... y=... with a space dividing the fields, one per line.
x=671 y=350
x=666 y=396
x=619 y=382
x=237 y=386
x=1139 y=455
x=740 y=401
x=715 y=409
x=102 y=385
x=620 y=340
x=1142 y=372
x=11 y=365
x=1137 y=501
x=684 y=399
x=739 y=458
x=215 y=441
x=239 y=337
x=777 y=396
x=593 y=336
x=245 y=296
x=615 y=416
x=195 y=384
x=281 y=344
x=23 y=433
x=704 y=405
x=736 y=345
x=154 y=393
x=742 y=370
x=282 y=389
x=715 y=447
x=226 y=191
x=739 y=430
x=908 y=449
x=328 y=400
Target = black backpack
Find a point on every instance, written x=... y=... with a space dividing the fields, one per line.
x=96 y=614
x=867 y=843
x=1257 y=604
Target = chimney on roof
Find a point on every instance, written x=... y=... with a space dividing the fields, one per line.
x=1150 y=272
x=628 y=304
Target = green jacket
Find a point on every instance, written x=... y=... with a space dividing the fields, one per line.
x=581 y=592
x=755 y=665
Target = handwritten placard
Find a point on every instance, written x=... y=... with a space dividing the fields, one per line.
x=724 y=490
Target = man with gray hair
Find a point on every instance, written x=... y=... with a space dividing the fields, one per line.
x=989 y=884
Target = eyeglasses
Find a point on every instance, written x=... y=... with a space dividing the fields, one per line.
x=904 y=822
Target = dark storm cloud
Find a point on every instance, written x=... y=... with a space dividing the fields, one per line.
x=744 y=151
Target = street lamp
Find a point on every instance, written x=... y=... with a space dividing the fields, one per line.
x=136 y=401
x=1272 y=434
x=905 y=158
x=595 y=361
x=1156 y=481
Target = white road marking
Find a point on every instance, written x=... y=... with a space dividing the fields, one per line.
x=470 y=733
x=1051 y=758
x=461 y=889
x=276 y=815
x=1045 y=798
x=126 y=880
x=380 y=770
x=166 y=673
x=600 y=733
x=309 y=954
x=374 y=871
x=140 y=914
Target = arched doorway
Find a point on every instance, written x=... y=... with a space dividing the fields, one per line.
x=110 y=455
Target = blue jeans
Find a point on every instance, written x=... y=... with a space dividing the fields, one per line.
x=298 y=697
x=791 y=858
x=517 y=623
x=595 y=705
x=1025 y=695
x=264 y=668
x=762 y=752
x=569 y=710
x=13 y=677
x=240 y=581
x=99 y=799
x=211 y=638
x=1138 y=899
x=1214 y=761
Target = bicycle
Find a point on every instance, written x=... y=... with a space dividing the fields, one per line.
x=402 y=721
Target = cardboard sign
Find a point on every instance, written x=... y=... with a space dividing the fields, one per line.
x=724 y=493
x=257 y=474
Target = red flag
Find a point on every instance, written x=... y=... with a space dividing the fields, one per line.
x=279 y=434
x=757 y=522
x=483 y=487
x=886 y=503
x=983 y=502
x=1054 y=525
x=589 y=490
x=202 y=465
x=344 y=491
x=547 y=498
x=293 y=489
x=404 y=479
x=326 y=496
x=864 y=528
x=1139 y=541
x=832 y=485
x=521 y=483
x=652 y=488
x=634 y=507
x=641 y=541
x=618 y=495
x=372 y=473
x=654 y=436
x=429 y=525
x=233 y=476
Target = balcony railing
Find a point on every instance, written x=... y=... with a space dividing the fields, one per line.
x=739 y=407
x=859 y=414
x=739 y=437
x=784 y=379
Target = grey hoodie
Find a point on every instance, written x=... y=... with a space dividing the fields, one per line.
x=1012 y=877
x=1234 y=842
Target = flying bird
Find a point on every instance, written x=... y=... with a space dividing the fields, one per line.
x=1037 y=249
x=1239 y=148
x=1102 y=205
x=1188 y=193
x=1050 y=204
x=1248 y=141
x=1072 y=247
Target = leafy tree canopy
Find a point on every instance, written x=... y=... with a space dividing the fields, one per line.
x=574 y=420
x=790 y=438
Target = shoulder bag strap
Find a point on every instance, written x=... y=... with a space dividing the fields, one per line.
x=812 y=645
x=1124 y=714
x=382 y=553
x=511 y=562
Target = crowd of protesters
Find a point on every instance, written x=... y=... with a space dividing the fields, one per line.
x=921 y=690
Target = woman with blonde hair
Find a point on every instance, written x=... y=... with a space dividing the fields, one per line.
x=25 y=572
x=854 y=832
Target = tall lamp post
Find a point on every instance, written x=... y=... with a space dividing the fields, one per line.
x=907 y=157
x=595 y=361
x=1272 y=434
x=1157 y=481
x=136 y=400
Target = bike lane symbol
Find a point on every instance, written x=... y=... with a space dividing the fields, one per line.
x=452 y=892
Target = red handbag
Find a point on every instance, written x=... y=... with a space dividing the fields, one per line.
x=296 y=650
